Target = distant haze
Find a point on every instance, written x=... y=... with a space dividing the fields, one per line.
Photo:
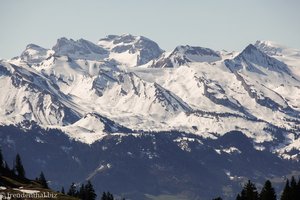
x=218 y=24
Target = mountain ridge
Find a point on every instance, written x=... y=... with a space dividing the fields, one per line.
x=126 y=91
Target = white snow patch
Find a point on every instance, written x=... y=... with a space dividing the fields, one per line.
x=232 y=150
x=27 y=191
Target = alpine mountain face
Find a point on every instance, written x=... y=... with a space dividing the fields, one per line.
x=130 y=50
x=182 y=55
x=149 y=124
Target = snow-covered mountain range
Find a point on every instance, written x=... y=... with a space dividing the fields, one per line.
x=126 y=86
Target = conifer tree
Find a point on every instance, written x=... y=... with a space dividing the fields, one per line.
x=89 y=191
x=72 y=191
x=298 y=189
x=267 y=192
x=19 y=167
x=286 y=191
x=43 y=180
x=1 y=160
x=6 y=168
x=238 y=197
x=107 y=196
x=243 y=195
x=82 y=192
x=62 y=190
x=110 y=196
x=293 y=191
x=104 y=196
x=249 y=192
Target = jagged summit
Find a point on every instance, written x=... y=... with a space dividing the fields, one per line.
x=34 y=46
x=269 y=47
x=131 y=50
x=34 y=54
x=182 y=55
x=194 y=50
x=253 y=57
x=277 y=50
x=124 y=38
x=80 y=49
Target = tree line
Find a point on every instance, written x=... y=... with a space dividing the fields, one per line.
x=18 y=170
x=291 y=191
x=84 y=192
x=87 y=192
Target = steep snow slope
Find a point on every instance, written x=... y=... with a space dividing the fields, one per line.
x=219 y=101
x=130 y=50
x=267 y=80
x=100 y=86
x=191 y=83
x=26 y=95
x=72 y=76
x=93 y=127
x=133 y=102
x=289 y=56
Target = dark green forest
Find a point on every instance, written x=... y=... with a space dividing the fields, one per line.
x=291 y=190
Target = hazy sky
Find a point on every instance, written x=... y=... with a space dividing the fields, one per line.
x=218 y=24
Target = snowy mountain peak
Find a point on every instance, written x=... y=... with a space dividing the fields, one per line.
x=265 y=43
x=80 y=49
x=130 y=50
x=252 y=57
x=34 y=46
x=126 y=38
x=182 y=55
x=251 y=50
x=34 y=54
x=277 y=50
x=194 y=50
x=121 y=39
x=269 y=47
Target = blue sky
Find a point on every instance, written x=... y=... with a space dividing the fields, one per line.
x=218 y=24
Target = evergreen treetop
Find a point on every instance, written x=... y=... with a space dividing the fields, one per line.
x=107 y=196
x=249 y=192
x=286 y=191
x=19 y=167
x=89 y=191
x=72 y=191
x=267 y=192
x=43 y=180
